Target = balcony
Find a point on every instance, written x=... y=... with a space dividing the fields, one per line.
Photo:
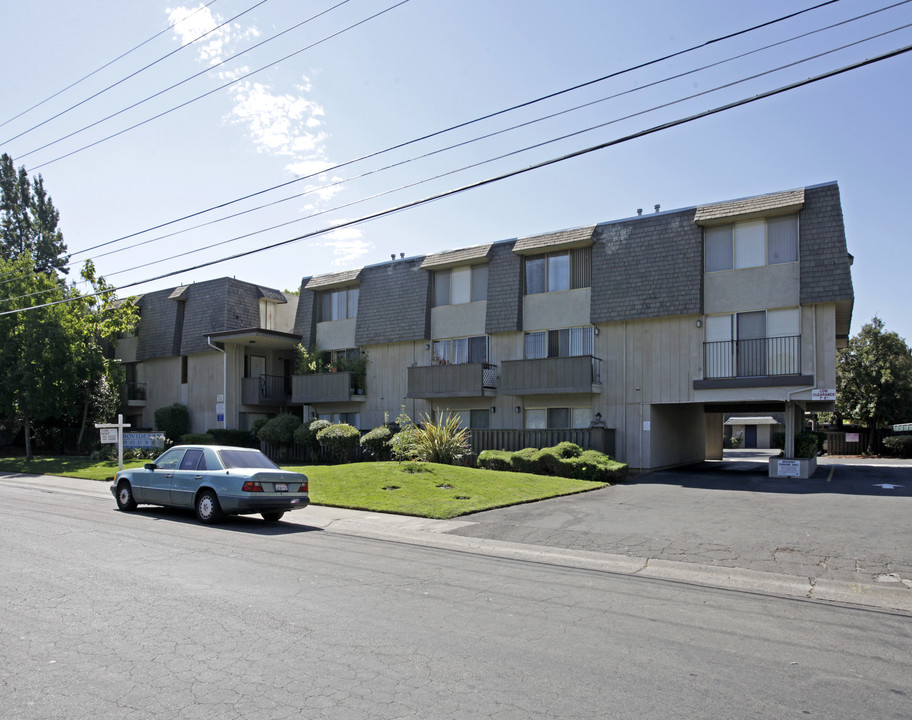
x=761 y=362
x=327 y=388
x=268 y=390
x=448 y=381
x=548 y=376
x=136 y=394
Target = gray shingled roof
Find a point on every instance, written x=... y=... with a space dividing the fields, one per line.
x=270 y=294
x=179 y=293
x=324 y=282
x=394 y=303
x=453 y=258
x=753 y=207
x=577 y=237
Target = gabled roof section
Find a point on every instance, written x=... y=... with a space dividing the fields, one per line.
x=564 y=240
x=455 y=258
x=326 y=282
x=780 y=203
x=266 y=293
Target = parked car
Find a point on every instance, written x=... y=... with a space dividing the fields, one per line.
x=215 y=481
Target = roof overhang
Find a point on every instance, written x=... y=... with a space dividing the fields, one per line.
x=335 y=280
x=272 y=339
x=457 y=258
x=564 y=240
x=760 y=206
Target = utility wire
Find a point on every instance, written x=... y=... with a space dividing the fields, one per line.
x=503 y=156
x=495 y=133
x=465 y=123
x=133 y=74
x=504 y=176
x=222 y=87
x=185 y=80
x=107 y=64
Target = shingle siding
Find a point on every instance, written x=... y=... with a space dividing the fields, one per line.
x=394 y=303
x=505 y=292
x=157 y=326
x=647 y=267
x=305 y=325
x=825 y=270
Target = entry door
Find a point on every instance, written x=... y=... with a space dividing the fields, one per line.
x=256 y=366
x=750 y=436
x=752 y=344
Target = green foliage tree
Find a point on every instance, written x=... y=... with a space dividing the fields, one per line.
x=53 y=337
x=173 y=421
x=874 y=380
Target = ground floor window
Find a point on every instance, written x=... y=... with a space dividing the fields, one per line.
x=353 y=419
x=557 y=418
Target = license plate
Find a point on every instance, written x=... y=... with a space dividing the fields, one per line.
x=281 y=487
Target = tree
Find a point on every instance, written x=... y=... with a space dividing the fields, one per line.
x=29 y=221
x=874 y=380
x=53 y=338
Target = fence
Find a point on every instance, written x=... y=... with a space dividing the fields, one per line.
x=842 y=443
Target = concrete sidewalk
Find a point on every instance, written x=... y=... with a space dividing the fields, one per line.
x=726 y=527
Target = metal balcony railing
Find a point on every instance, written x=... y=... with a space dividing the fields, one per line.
x=136 y=391
x=761 y=357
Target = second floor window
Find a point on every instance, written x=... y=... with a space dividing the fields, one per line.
x=567 y=270
x=753 y=243
x=566 y=342
x=339 y=304
x=456 y=351
x=461 y=285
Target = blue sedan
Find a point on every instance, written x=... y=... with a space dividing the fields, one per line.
x=215 y=482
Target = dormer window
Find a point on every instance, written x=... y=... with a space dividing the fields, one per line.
x=339 y=304
x=556 y=271
x=459 y=285
x=752 y=243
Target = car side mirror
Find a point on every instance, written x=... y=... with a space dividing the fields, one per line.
x=150 y=466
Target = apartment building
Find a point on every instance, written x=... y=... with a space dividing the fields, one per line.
x=640 y=332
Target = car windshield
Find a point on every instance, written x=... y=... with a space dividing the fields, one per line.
x=246 y=459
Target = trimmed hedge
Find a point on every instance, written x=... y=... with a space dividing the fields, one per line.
x=376 y=442
x=236 y=438
x=564 y=460
x=339 y=441
x=899 y=445
x=197 y=439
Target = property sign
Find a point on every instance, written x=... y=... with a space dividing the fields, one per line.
x=108 y=436
x=823 y=394
x=853 y=437
x=789 y=468
x=144 y=440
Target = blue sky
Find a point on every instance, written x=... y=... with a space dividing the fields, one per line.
x=422 y=67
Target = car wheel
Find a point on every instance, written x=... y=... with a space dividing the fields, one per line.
x=125 y=501
x=208 y=510
x=272 y=516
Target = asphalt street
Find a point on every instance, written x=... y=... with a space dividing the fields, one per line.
x=344 y=615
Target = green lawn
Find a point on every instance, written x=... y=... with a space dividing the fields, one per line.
x=422 y=489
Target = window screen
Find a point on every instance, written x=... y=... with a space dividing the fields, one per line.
x=442 y=287
x=479 y=282
x=535 y=275
x=536 y=345
x=559 y=418
x=480 y=419
x=558 y=272
x=750 y=244
x=460 y=285
x=718 y=247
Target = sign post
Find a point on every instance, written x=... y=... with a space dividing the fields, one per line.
x=112 y=433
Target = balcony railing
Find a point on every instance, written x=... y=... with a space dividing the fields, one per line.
x=327 y=387
x=578 y=374
x=762 y=357
x=460 y=380
x=270 y=390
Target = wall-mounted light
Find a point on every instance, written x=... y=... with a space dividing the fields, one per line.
x=427 y=346
x=598 y=417
x=699 y=323
x=595 y=330
x=493 y=409
x=517 y=409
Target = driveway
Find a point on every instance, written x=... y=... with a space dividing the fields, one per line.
x=849 y=522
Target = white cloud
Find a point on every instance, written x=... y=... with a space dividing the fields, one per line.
x=347 y=244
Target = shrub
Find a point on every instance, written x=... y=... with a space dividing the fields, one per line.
x=441 y=442
x=237 y=438
x=522 y=460
x=376 y=442
x=899 y=445
x=547 y=462
x=255 y=428
x=402 y=444
x=806 y=445
x=494 y=460
x=279 y=431
x=173 y=421
x=197 y=439
x=339 y=441
x=597 y=467
x=568 y=450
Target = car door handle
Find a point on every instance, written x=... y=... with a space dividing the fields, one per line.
x=197 y=477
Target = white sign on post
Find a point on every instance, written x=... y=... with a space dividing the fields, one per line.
x=108 y=436
x=789 y=468
x=116 y=428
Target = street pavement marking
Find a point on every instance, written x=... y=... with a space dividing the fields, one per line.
x=830 y=476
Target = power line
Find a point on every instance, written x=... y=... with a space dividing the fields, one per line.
x=131 y=75
x=503 y=131
x=184 y=81
x=463 y=124
x=222 y=87
x=508 y=175
x=102 y=67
